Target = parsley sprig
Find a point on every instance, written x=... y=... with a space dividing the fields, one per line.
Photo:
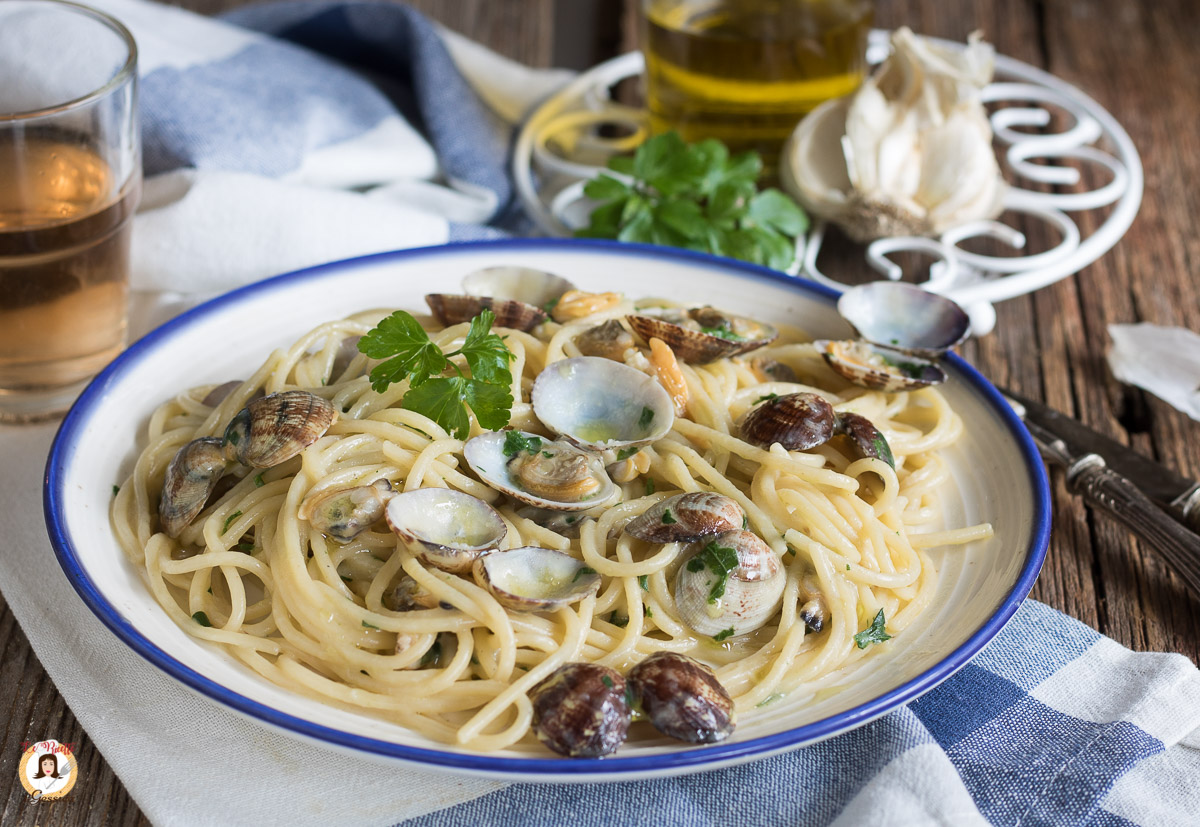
x=695 y=196
x=875 y=633
x=720 y=560
x=409 y=354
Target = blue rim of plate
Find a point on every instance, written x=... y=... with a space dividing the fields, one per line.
x=75 y=424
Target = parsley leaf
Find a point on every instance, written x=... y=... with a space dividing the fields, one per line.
x=644 y=582
x=444 y=399
x=719 y=636
x=369 y=625
x=626 y=453
x=698 y=197
x=620 y=621
x=874 y=633
x=646 y=418
x=515 y=442
x=649 y=486
x=607 y=681
x=583 y=570
x=202 y=619
x=720 y=560
x=229 y=520
x=668 y=518
x=413 y=355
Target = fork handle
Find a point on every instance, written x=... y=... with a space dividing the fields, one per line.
x=1104 y=488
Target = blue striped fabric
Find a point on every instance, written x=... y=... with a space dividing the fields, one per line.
x=1021 y=761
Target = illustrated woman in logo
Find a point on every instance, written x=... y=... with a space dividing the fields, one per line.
x=47 y=778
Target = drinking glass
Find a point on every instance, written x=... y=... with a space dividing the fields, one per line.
x=70 y=179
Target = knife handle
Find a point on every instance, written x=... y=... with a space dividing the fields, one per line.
x=1104 y=488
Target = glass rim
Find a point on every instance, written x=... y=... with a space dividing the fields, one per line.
x=124 y=74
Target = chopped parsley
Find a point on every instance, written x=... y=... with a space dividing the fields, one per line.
x=246 y=547
x=626 y=453
x=370 y=626
x=646 y=611
x=550 y=305
x=515 y=442
x=649 y=486
x=914 y=370
x=547 y=455
x=720 y=560
x=847 y=567
x=229 y=520
x=720 y=636
x=582 y=571
x=873 y=634
x=791 y=551
x=346 y=579
x=644 y=582
x=116 y=490
x=723 y=331
x=607 y=681
x=201 y=618
x=745 y=522
x=646 y=418
x=668 y=518
x=767 y=398
x=258 y=480
x=620 y=621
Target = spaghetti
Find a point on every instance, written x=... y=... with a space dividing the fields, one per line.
x=319 y=617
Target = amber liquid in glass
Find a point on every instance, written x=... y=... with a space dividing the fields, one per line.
x=747 y=71
x=64 y=261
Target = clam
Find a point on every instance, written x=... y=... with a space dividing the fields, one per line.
x=687 y=517
x=813 y=610
x=599 y=404
x=450 y=308
x=731 y=585
x=903 y=329
x=275 y=428
x=879 y=368
x=608 y=340
x=191 y=478
x=532 y=579
x=545 y=474
x=702 y=334
x=682 y=698
x=447 y=529
x=523 y=284
x=407 y=596
x=797 y=421
x=344 y=513
x=581 y=711
x=867 y=439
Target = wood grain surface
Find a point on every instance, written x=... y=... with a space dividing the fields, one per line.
x=1139 y=61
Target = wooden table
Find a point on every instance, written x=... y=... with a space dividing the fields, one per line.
x=1139 y=61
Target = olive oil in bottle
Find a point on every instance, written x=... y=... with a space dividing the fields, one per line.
x=747 y=71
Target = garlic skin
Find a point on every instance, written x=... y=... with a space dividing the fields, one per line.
x=909 y=153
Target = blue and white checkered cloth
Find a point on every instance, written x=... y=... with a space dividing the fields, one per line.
x=318 y=130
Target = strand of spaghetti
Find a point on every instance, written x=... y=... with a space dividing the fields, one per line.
x=953 y=537
x=710 y=437
x=574 y=627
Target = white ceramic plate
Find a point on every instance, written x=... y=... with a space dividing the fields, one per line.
x=997 y=477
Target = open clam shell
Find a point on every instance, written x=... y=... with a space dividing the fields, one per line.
x=523 y=284
x=599 y=404
x=445 y=528
x=905 y=317
x=702 y=334
x=532 y=579
x=879 y=368
x=547 y=474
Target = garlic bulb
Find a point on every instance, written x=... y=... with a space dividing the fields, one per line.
x=910 y=153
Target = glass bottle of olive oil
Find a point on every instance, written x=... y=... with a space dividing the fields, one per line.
x=747 y=71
